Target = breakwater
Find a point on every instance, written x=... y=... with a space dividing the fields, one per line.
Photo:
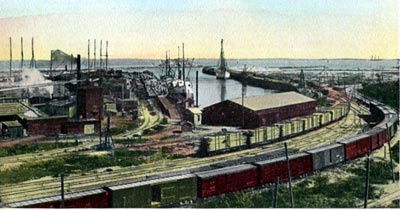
x=252 y=79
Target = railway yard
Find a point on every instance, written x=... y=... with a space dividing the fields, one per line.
x=49 y=186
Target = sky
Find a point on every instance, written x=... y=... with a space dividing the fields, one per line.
x=250 y=28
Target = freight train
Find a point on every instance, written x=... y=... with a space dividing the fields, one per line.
x=229 y=176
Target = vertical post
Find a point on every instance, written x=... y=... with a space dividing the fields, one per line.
x=10 y=56
x=242 y=105
x=366 y=182
x=391 y=161
x=94 y=59
x=33 y=63
x=108 y=131
x=51 y=63
x=88 y=55
x=275 y=195
x=22 y=53
x=72 y=61
x=179 y=67
x=62 y=190
x=290 y=178
x=183 y=61
x=78 y=68
x=101 y=53
x=106 y=54
x=197 y=88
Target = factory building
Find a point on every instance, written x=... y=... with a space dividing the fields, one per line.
x=89 y=102
x=258 y=110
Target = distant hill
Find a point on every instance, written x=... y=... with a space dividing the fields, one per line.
x=59 y=55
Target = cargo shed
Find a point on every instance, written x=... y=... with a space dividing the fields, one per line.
x=258 y=110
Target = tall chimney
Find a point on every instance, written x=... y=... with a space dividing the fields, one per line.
x=94 y=61
x=22 y=53
x=88 y=55
x=106 y=54
x=10 y=56
x=78 y=68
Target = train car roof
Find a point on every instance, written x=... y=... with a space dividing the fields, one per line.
x=55 y=198
x=293 y=156
x=149 y=182
x=323 y=147
x=352 y=138
x=225 y=170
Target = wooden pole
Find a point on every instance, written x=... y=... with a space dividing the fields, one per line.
x=290 y=178
x=275 y=195
x=62 y=190
x=366 y=182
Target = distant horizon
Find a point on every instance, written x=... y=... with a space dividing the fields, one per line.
x=256 y=29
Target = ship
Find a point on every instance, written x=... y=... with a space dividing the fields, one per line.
x=222 y=72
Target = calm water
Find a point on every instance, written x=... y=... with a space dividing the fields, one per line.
x=211 y=90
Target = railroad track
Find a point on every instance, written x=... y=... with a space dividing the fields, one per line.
x=40 y=188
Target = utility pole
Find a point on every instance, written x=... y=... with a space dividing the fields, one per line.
x=10 y=56
x=22 y=53
x=366 y=182
x=390 y=154
x=88 y=55
x=33 y=62
x=275 y=195
x=197 y=88
x=62 y=190
x=106 y=54
x=290 y=178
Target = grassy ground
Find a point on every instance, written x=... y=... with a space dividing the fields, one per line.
x=29 y=148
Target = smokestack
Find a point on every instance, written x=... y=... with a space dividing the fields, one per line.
x=78 y=68
x=72 y=61
x=10 y=56
x=179 y=68
x=22 y=53
x=183 y=61
x=51 y=63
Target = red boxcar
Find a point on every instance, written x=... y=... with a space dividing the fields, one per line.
x=227 y=179
x=269 y=170
x=97 y=198
x=356 y=145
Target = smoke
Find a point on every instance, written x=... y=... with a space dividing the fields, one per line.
x=34 y=77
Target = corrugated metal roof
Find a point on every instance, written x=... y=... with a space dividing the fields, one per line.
x=22 y=109
x=11 y=124
x=226 y=170
x=55 y=198
x=269 y=101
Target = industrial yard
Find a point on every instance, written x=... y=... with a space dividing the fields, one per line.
x=224 y=104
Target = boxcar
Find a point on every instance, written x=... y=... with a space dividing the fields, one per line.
x=356 y=145
x=228 y=179
x=85 y=199
x=157 y=192
x=327 y=155
x=269 y=170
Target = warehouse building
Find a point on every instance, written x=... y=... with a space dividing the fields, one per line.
x=90 y=102
x=258 y=110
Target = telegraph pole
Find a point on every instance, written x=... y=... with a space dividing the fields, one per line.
x=290 y=178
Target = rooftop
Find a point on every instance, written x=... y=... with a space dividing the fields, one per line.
x=269 y=101
x=11 y=124
x=22 y=109
x=194 y=110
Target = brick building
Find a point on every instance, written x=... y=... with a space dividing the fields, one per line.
x=90 y=102
x=258 y=110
